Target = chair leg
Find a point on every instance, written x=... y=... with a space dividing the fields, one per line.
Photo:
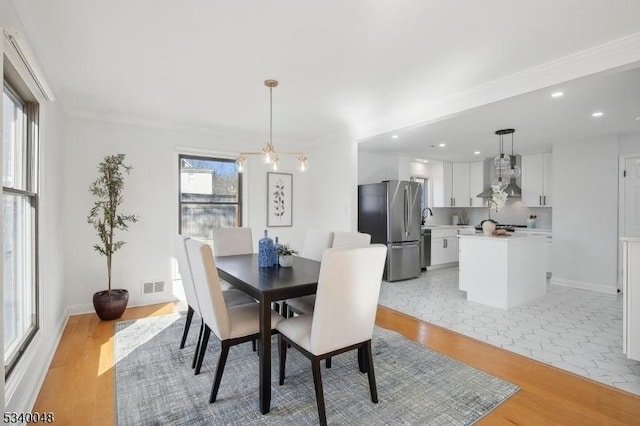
x=203 y=348
x=285 y=309
x=327 y=362
x=362 y=366
x=187 y=324
x=253 y=344
x=221 y=363
x=282 y=352
x=317 y=381
x=372 y=377
x=197 y=352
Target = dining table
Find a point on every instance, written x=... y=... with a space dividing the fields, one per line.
x=268 y=285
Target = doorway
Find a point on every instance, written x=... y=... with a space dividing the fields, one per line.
x=629 y=208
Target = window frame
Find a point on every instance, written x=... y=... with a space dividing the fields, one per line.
x=31 y=193
x=238 y=203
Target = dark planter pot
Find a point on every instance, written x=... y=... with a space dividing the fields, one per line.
x=110 y=304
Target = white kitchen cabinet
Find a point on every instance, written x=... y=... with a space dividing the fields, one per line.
x=536 y=180
x=442 y=191
x=476 y=183
x=503 y=272
x=461 y=183
x=444 y=246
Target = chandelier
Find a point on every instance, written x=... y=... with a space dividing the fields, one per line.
x=506 y=167
x=269 y=155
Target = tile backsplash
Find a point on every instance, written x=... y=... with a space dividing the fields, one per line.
x=514 y=213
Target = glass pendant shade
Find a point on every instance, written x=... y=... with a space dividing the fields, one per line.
x=240 y=164
x=502 y=161
x=514 y=172
x=275 y=162
x=268 y=154
x=501 y=181
x=303 y=163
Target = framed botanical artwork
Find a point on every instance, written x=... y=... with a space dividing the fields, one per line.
x=279 y=199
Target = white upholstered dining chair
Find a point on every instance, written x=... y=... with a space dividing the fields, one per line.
x=315 y=243
x=231 y=242
x=350 y=239
x=232 y=297
x=343 y=318
x=231 y=324
x=304 y=305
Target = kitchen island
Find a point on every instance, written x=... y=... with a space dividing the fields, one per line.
x=503 y=271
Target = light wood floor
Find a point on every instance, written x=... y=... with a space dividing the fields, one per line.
x=79 y=385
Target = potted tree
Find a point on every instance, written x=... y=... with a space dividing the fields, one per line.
x=104 y=216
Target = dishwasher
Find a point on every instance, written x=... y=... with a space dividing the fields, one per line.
x=425 y=248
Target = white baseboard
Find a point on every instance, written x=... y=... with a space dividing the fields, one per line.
x=583 y=285
x=442 y=265
x=87 y=308
x=62 y=324
x=24 y=403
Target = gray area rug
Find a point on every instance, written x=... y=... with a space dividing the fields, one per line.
x=155 y=384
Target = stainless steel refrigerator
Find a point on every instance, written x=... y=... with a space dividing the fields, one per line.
x=390 y=212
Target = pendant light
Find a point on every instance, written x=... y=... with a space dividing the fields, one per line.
x=269 y=155
x=501 y=161
x=514 y=170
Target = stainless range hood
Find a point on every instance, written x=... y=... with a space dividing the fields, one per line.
x=512 y=189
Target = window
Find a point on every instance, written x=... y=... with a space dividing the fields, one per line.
x=19 y=223
x=424 y=191
x=210 y=196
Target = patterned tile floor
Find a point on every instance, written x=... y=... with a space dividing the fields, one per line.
x=576 y=330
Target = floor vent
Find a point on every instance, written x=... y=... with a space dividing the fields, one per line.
x=150 y=287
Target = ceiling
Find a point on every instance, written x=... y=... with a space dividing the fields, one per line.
x=539 y=120
x=361 y=68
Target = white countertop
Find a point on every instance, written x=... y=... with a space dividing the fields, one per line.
x=434 y=226
x=534 y=230
x=507 y=237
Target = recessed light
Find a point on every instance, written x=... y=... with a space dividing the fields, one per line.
x=394 y=136
x=442 y=144
x=476 y=152
x=557 y=94
x=597 y=114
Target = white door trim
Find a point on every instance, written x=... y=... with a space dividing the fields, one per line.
x=621 y=203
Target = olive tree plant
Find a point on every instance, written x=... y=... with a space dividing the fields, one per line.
x=108 y=190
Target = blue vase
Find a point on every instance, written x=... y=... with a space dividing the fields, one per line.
x=265 y=251
x=276 y=249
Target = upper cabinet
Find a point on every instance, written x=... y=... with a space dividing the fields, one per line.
x=536 y=180
x=461 y=182
x=476 y=183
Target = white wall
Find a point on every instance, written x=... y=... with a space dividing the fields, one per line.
x=373 y=168
x=585 y=214
x=333 y=185
x=22 y=386
x=629 y=144
x=151 y=193
x=323 y=198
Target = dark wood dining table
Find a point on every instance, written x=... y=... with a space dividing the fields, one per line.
x=268 y=285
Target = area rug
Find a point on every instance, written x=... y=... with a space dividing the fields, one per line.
x=155 y=385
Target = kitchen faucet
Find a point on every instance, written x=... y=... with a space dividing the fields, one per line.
x=430 y=213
